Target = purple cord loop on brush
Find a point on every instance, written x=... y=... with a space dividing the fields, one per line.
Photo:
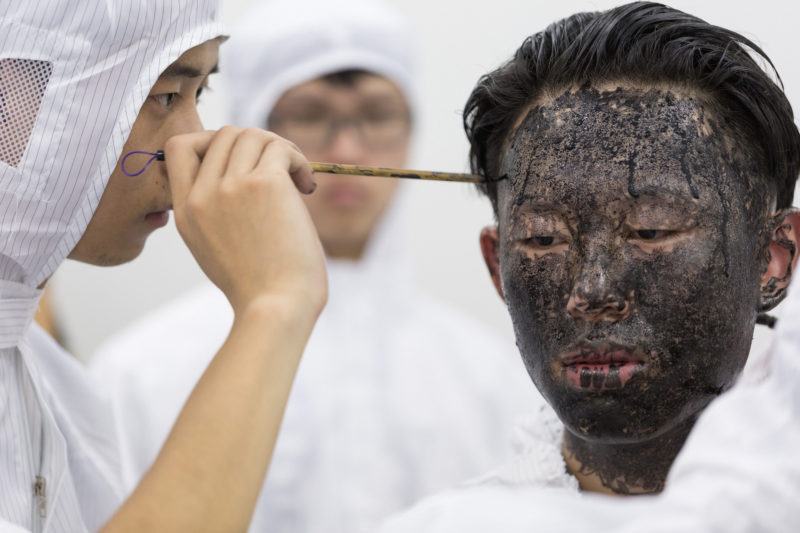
x=154 y=156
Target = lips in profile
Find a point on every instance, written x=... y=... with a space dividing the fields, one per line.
x=158 y=218
x=605 y=366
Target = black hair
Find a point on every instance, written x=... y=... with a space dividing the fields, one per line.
x=641 y=42
x=346 y=78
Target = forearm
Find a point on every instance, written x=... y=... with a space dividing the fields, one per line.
x=209 y=472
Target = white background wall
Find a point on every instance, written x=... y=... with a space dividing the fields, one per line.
x=460 y=40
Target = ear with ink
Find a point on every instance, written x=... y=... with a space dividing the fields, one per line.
x=490 y=242
x=782 y=253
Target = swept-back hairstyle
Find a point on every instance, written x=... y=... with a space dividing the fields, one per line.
x=640 y=42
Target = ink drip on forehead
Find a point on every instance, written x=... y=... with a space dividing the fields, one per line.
x=625 y=123
x=630 y=225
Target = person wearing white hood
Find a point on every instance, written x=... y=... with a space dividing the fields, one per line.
x=399 y=395
x=81 y=84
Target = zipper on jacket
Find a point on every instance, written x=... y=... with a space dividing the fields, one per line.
x=39 y=489
x=40 y=495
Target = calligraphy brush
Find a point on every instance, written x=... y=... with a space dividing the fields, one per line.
x=353 y=170
x=361 y=170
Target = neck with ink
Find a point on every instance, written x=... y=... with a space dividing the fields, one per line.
x=624 y=468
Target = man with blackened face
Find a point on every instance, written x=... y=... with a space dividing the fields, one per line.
x=641 y=166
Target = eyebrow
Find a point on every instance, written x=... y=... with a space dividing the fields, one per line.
x=653 y=192
x=649 y=194
x=178 y=70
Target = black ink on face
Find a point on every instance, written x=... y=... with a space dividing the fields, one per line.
x=631 y=234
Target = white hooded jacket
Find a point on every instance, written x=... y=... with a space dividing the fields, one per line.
x=73 y=75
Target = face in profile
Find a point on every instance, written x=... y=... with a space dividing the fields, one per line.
x=131 y=208
x=631 y=245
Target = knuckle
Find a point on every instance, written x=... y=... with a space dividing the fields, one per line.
x=277 y=146
x=194 y=205
x=256 y=183
x=227 y=131
x=229 y=190
x=293 y=146
x=254 y=133
x=176 y=143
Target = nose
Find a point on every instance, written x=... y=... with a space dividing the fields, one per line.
x=598 y=293
x=190 y=123
x=346 y=146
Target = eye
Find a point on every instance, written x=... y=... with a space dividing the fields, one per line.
x=651 y=234
x=200 y=91
x=309 y=119
x=545 y=241
x=382 y=116
x=165 y=99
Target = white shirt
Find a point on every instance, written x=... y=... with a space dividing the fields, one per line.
x=537 y=460
x=397 y=396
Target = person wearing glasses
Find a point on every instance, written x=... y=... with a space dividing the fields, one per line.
x=398 y=395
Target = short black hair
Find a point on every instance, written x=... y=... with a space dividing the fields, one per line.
x=642 y=42
x=346 y=78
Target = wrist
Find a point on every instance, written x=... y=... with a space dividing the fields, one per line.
x=286 y=309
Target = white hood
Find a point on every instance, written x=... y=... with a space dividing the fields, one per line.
x=283 y=43
x=73 y=76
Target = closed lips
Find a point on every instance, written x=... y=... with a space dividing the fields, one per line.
x=600 y=367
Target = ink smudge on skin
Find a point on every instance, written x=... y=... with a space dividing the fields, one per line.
x=630 y=217
x=686 y=172
x=631 y=173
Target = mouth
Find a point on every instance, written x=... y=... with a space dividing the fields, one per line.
x=345 y=196
x=605 y=366
x=158 y=218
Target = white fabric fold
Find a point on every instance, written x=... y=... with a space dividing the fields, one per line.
x=538 y=461
x=18 y=304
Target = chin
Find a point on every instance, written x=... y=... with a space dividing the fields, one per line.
x=111 y=256
x=610 y=431
x=624 y=416
x=644 y=409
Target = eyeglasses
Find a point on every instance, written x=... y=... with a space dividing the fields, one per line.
x=316 y=131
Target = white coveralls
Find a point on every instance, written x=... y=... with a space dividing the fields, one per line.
x=397 y=396
x=73 y=75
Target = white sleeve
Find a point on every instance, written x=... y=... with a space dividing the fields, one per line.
x=8 y=527
x=738 y=472
x=739 y=469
